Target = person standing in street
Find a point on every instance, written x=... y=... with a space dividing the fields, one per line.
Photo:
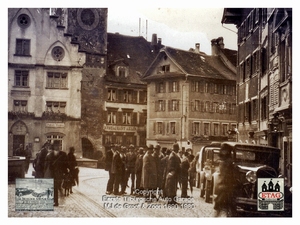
x=123 y=170
x=40 y=161
x=185 y=165
x=19 y=151
x=108 y=163
x=28 y=155
x=57 y=162
x=139 y=168
x=149 y=174
x=116 y=170
x=157 y=155
x=173 y=173
x=73 y=168
x=130 y=165
x=164 y=162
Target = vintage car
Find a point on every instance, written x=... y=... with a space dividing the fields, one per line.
x=23 y=191
x=208 y=162
x=249 y=163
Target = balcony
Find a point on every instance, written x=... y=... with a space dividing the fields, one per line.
x=20 y=115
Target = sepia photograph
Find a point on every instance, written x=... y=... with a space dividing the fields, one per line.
x=149 y=112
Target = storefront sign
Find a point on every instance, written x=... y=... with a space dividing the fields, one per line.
x=119 y=128
x=55 y=125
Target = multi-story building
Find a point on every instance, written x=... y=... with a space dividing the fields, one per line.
x=191 y=96
x=125 y=96
x=44 y=98
x=265 y=78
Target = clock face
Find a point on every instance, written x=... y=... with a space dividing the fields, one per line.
x=88 y=19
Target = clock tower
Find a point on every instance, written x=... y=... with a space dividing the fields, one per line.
x=87 y=28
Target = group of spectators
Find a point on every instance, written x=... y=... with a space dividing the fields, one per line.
x=153 y=172
x=51 y=162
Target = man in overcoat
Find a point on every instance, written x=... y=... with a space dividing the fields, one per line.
x=149 y=173
x=173 y=173
x=108 y=163
x=116 y=170
x=130 y=166
x=138 y=169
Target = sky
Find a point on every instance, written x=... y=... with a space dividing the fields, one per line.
x=177 y=27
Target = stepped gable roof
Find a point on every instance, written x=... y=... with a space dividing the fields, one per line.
x=192 y=64
x=132 y=51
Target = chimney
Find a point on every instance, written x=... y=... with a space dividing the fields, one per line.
x=216 y=45
x=197 y=47
x=154 y=40
x=159 y=43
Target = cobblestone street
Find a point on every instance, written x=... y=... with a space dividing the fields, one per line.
x=89 y=200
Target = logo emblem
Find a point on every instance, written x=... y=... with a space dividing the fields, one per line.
x=270 y=194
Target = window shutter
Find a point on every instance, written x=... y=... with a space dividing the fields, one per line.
x=178 y=86
x=192 y=106
x=134 y=118
x=134 y=96
x=154 y=127
x=119 y=117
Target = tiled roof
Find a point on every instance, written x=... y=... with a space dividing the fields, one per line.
x=195 y=64
x=132 y=51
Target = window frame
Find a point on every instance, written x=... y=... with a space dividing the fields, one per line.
x=24 y=49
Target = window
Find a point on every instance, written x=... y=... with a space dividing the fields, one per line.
x=58 y=53
x=126 y=118
x=57 y=139
x=129 y=140
x=23 y=47
x=248 y=112
x=174 y=105
x=56 y=80
x=160 y=105
x=127 y=96
x=207 y=107
x=206 y=128
x=24 y=21
x=254 y=109
x=196 y=128
x=216 y=129
x=224 y=129
x=159 y=127
x=111 y=117
x=160 y=87
x=111 y=95
x=206 y=87
x=143 y=97
x=56 y=107
x=174 y=86
x=20 y=106
x=197 y=105
x=172 y=127
x=119 y=139
x=264 y=108
x=122 y=71
x=195 y=86
x=165 y=68
x=21 y=78
x=108 y=139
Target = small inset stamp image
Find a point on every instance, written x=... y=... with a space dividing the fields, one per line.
x=270 y=194
x=34 y=194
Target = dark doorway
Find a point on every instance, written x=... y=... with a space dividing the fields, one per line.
x=87 y=148
x=17 y=140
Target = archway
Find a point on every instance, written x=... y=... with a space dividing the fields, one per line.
x=87 y=148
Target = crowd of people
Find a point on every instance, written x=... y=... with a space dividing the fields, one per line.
x=51 y=162
x=153 y=172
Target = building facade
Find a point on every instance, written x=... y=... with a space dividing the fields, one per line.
x=191 y=97
x=125 y=97
x=44 y=101
x=265 y=78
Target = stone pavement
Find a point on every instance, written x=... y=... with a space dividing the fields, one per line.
x=89 y=200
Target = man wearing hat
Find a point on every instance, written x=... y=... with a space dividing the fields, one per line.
x=149 y=173
x=130 y=166
x=108 y=163
x=173 y=173
x=116 y=169
x=157 y=155
x=138 y=168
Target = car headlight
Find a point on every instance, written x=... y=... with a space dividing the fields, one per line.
x=251 y=176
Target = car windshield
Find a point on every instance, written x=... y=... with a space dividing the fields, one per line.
x=265 y=158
